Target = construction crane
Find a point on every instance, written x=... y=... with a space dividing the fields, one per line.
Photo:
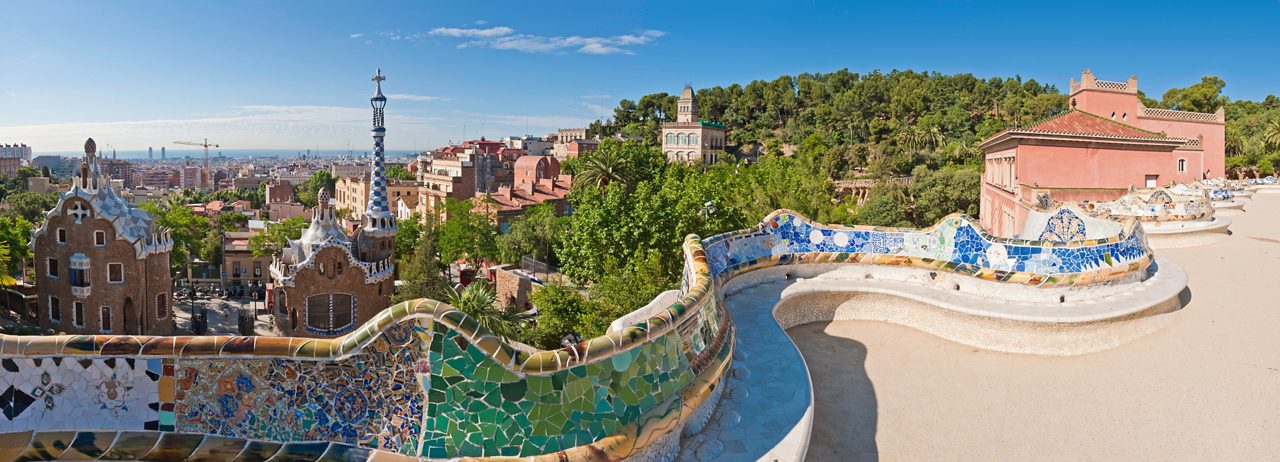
x=205 y=177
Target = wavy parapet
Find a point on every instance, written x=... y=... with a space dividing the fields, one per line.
x=423 y=379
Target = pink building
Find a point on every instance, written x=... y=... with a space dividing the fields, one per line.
x=1107 y=143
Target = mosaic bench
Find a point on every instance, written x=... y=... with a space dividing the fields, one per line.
x=422 y=379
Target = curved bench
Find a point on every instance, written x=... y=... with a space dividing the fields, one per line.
x=423 y=379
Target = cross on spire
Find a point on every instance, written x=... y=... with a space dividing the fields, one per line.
x=377 y=79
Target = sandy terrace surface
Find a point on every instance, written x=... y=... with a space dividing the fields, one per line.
x=1206 y=387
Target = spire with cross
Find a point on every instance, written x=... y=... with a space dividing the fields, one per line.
x=378 y=217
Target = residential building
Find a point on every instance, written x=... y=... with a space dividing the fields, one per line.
x=563 y=137
x=531 y=144
x=348 y=170
x=58 y=166
x=279 y=191
x=9 y=165
x=577 y=148
x=102 y=265
x=690 y=139
x=1105 y=144
x=21 y=152
x=119 y=170
x=190 y=177
x=239 y=267
x=281 y=211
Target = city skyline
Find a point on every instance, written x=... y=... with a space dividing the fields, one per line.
x=282 y=77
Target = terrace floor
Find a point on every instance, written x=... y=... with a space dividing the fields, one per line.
x=1205 y=387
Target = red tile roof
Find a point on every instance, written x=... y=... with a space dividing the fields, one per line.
x=1083 y=123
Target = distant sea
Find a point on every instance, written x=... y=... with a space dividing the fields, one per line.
x=173 y=154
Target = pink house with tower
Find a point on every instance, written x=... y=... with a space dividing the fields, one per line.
x=1104 y=144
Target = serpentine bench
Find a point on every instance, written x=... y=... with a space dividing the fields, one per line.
x=422 y=379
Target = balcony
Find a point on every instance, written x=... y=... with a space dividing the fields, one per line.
x=80 y=291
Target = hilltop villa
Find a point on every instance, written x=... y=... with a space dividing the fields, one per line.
x=1106 y=143
x=689 y=139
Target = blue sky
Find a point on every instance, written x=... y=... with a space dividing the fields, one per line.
x=295 y=75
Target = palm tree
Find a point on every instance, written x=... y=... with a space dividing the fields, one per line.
x=477 y=301
x=602 y=168
x=1271 y=133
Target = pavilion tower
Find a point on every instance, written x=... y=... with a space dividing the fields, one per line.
x=687 y=106
x=377 y=236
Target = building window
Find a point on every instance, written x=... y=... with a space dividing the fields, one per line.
x=77 y=314
x=1182 y=166
x=104 y=318
x=55 y=309
x=53 y=268
x=100 y=238
x=115 y=272
x=162 y=306
x=693 y=138
x=337 y=266
x=671 y=138
x=682 y=139
x=330 y=312
x=62 y=235
x=79 y=277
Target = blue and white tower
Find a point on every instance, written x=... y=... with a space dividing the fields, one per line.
x=378 y=219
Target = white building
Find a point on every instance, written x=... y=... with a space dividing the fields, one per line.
x=16 y=151
x=531 y=144
x=690 y=139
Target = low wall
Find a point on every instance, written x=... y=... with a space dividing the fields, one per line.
x=423 y=379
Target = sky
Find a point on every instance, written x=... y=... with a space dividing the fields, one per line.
x=294 y=75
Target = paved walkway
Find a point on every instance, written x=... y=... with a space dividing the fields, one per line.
x=1206 y=387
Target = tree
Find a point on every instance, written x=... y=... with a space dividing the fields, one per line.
x=1271 y=134
x=307 y=193
x=560 y=310
x=275 y=238
x=882 y=210
x=15 y=233
x=477 y=301
x=31 y=206
x=232 y=221
x=187 y=229
x=938 y=193
x=536 y=234
x=466 y=234
x=1205 y=96
x=397 y=172
x=423 y=272
x=407 y=237
x=602 y=167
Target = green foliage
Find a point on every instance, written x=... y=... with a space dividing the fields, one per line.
x=560 y=311
x=398 y=172
x=938 y=193
x=189 y=232
x=275 y=238
x=232 y=221
x=882 y=210
x=15 y=234
x=17 y=183
x=422 y=271
x=1205 y=96
x=466 y=234
x=307 y=192
x=407 y=237
x=477 y=300
x=537 y=234
x=31 y=206
x=624 y=289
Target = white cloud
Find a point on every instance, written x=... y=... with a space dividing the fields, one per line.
x=597 y=96
x=472 y=33
x=480 y=22
x=505 y=38
x=409 y=97
x=356 y=35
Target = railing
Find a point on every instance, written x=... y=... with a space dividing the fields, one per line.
x=1171 y=114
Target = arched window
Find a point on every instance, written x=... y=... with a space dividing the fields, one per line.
x=693 y=139
x=1182 y=166
x=104 y=317
x=671 y=138
x=681 y=139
